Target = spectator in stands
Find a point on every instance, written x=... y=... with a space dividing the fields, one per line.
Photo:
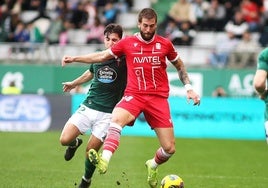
x=200 y=8
x=62 y=9
x=264 y=9
x=95 y=32
x=251 y=14
x=245 y=53
x=230 y=7
x=237 y=24
x=183 y=35
x=263 y=40
x=11 y=89
x=38 y=5
x=219 y=92
x=56 y=27
x=51 y=5
x=35 y=34
x=100 y=4
x=17 y=8
x=109 y=13
x=215 y=17
x=21 y=34
x=92 y=12
x=73 y=4
x=224 y=46
x=170 y=29
x=8 y=27
x=123 y=5
x=40 y=25
x=180 y=11
x=79 y=16
x=3 y=11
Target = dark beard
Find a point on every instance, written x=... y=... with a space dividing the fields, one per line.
x=146 y=37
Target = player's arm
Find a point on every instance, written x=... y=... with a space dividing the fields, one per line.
x=85 y=77
x=95 y=57
x=183 y=76
x=259 y=83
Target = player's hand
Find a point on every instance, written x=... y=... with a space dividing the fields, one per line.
x=67 y=86
x=194 y=96
x=66 y=59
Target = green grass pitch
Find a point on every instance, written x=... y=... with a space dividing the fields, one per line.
x=35 y=160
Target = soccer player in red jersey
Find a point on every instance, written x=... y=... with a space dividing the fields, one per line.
x=147 y=90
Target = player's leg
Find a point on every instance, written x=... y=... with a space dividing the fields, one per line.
x=77 y=124
x=98 y=133
x=120 y=118
x=93 y=143
x=158 y=117
x=167 y=149
x=157 y=114
x=167 y=142
x=69 y=134
x=69 y=137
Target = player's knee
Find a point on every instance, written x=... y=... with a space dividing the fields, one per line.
x=259 y=86
x=64 y=141
x=170 y=149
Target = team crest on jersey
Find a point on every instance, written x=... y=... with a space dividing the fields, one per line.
x=135 y=44
x=106 y=74
x=158 y=46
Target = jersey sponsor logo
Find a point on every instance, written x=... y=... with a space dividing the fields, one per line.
x=106 y=75
x=147 y=59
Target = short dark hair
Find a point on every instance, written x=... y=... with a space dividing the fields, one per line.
x=147 y=13
x=113 y=28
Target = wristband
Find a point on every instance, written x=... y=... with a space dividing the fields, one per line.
x=188 y=87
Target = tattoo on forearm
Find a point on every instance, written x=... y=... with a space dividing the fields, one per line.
x=183 y=75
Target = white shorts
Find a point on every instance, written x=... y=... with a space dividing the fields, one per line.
x=86 y=119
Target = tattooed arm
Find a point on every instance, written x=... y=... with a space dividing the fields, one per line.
x=184 y=78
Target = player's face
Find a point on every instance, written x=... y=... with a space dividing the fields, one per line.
x=110 y=40
x=147 y=28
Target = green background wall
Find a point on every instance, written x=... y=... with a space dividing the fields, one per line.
x=31 y=78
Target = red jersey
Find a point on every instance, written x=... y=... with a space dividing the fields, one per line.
x=146 y=63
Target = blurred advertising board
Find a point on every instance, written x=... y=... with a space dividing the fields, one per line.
x=33 y=113
x=224 y=118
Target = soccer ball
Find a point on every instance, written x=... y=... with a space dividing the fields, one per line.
x=172 y=181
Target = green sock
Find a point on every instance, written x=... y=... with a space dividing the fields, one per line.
x=89 y=169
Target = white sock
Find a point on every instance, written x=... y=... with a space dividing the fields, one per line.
x=106 y=155
x=154 y=165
